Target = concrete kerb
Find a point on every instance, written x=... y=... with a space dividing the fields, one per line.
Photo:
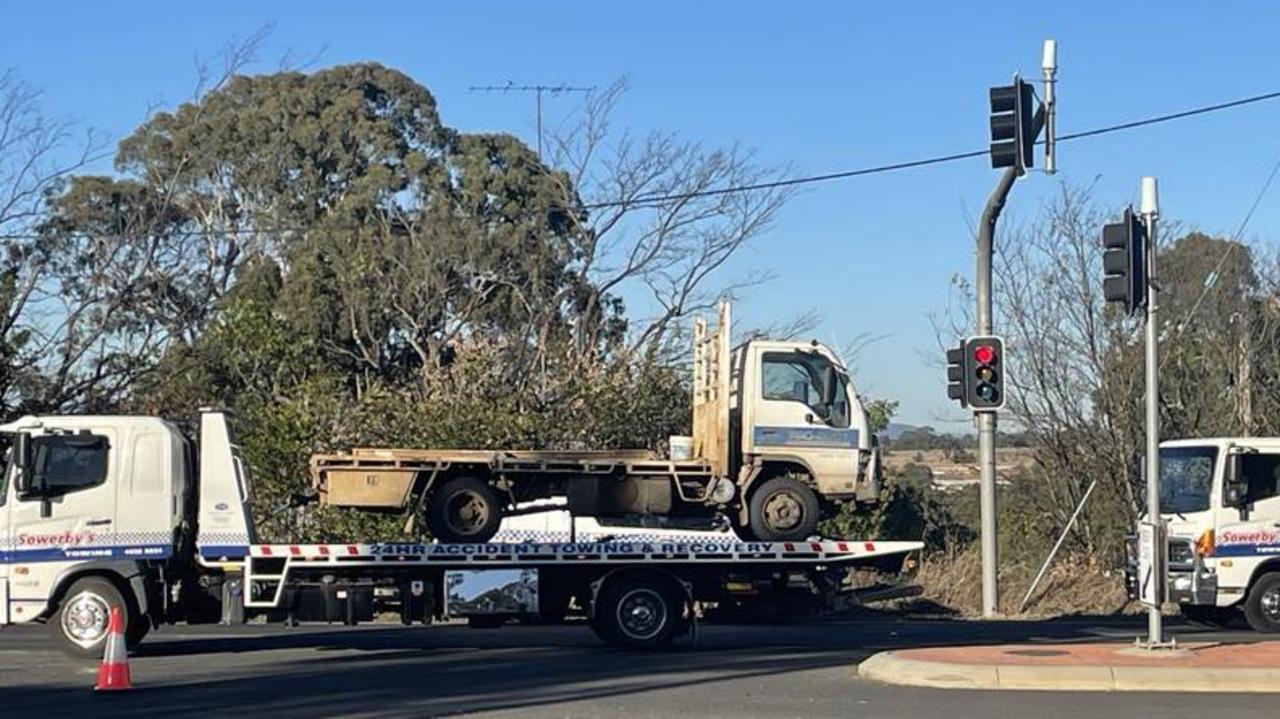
x=894 y=668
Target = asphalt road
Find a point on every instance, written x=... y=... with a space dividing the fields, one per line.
x=794 y=670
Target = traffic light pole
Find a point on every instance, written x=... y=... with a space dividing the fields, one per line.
x=1150 y=211
x=987 y=420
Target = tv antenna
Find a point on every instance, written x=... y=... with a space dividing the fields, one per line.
x=538 y=91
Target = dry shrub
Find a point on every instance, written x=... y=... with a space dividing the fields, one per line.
x=1076 y=584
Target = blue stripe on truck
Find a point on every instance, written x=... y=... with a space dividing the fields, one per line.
x=63 y=554
x=805 y=437
x=218 y=551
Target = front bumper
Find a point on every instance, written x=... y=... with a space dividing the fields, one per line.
x=1187 y=579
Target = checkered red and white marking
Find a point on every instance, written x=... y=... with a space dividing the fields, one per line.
x=712 y=549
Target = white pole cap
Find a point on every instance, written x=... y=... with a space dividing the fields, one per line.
x=1150 y=198
x=1050 y=62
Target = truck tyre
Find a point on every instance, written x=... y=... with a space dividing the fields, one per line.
x=464 y=509
x=783 y=509
x=640 y=611
x=1262 y=606
x=1208 y=615
x=79 y=623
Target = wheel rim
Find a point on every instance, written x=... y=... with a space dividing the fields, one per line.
x=642 y=613
x=85 y=619
x=783 y=512
x=468 y=513
x=1270 y=604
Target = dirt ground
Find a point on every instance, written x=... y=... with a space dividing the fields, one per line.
x=957 y=469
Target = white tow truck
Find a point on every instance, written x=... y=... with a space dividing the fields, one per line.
x=98 y=512
x=1220 y=511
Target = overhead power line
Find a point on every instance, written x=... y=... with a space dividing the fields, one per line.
x=790 y=182
x=1211 y=280
x=811 y=179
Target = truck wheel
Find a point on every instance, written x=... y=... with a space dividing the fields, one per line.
x=638 y=612
x=79 y=624
x=1262 y=606
x=1209 y=616
x=784 y=509
x=464 y=509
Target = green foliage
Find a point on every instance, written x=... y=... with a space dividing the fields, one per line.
x=879 y=413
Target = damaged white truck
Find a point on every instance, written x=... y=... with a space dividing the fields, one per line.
x=780 y=440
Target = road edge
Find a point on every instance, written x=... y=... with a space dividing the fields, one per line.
x=896 y=668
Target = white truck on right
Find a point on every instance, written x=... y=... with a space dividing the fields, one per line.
x=1220 y=505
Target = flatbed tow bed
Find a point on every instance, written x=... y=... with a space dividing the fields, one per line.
x=158 y=526
x=637 y=593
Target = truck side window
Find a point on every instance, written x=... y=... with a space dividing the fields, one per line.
x=65 y=464
x=798 y=377
x=786 y=378
x=1262 y=471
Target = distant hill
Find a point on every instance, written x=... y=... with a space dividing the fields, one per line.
x=895 y=430
x=912 y=436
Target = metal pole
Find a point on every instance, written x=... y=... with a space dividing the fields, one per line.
x=987 y=420
x=1050 y=70
x=1150 y=211
x=1056 y=546
x=538 y=95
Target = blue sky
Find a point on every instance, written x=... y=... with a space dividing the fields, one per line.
x=820 y=87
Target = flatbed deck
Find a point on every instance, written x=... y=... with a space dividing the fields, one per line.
x=271 y=565
x=383 y=478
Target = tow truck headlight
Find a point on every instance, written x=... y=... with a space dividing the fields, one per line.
x=722 y=491
x=1180 y=553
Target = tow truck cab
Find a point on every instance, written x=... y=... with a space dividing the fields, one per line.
x=1220 y=503
x=99 y=508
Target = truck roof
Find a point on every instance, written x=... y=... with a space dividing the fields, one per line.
x=1269 y=442
x=72 y=420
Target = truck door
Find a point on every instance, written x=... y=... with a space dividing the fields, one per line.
x=790 y=419
x=66 y=518
x=5 y=537
x=1259 y=534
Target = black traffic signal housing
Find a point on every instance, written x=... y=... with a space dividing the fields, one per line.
x=1013 y=136
x=955 y=374
x=984 y=373
x=1124 y=262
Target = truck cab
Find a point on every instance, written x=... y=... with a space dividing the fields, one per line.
x=804 y=410
x=1220 y=505
x=94 y=508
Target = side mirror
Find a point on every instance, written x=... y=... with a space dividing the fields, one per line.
x=1234 y=489
x=22 y=461
x=829 y=380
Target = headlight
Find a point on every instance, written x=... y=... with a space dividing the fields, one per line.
x=1180 y=552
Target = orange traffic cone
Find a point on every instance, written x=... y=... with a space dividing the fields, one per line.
x=113 y=674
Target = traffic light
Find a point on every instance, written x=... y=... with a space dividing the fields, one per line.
x=984 y=373
x=1013 y=137
x=1124 y=262
x=955 y=374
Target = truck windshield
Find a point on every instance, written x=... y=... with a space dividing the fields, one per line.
x=1186 y=478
